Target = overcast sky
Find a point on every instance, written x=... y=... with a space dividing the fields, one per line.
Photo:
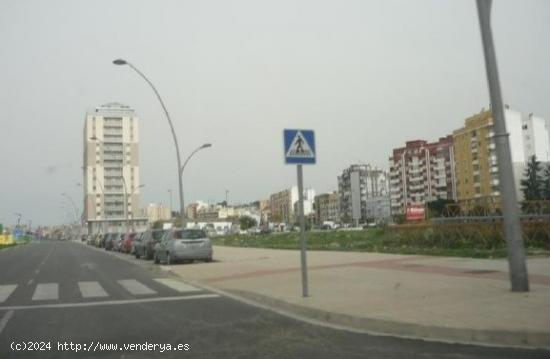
x=365 y=75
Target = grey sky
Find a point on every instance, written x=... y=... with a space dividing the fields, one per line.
x=366 y=75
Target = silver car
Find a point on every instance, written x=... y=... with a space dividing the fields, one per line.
x=183 y=244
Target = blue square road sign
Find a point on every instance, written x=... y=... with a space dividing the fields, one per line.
x=299 y=146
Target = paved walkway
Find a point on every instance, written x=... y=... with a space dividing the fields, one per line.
x=441 y=298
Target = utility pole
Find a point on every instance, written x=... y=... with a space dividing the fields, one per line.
x=512 y=227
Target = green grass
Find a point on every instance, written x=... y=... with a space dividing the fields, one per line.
x=424 y=241
x=4 y=246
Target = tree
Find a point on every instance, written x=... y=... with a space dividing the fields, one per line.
x=437 y=208
x=247 y=222
x=546 y=184
x=157 y=225
x=531 y=184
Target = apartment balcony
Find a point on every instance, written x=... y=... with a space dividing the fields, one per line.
x=113 y=189
x=492 y=146
x=395 y=197
x=111 y=157
x=416 y=179
x=476 y=173
x=414 y=171
x=114 y=208
x=490 y=134
x=112 y=163
x=493 y=169
x=416 y=188
x=495 y=182
x=440 y=184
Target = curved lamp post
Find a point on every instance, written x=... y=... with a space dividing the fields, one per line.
x=72 y=204
x=126 y=216
x=180 y=182
x=206 y=145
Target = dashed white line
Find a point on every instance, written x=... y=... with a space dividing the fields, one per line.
x=5 y=320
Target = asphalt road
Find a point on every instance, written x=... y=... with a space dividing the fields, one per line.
x=63 y=293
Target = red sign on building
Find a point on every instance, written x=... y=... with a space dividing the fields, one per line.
x=415 y=213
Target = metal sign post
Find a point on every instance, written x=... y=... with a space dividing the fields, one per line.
x=299 y=146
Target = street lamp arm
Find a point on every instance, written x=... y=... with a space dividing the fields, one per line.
x=73 y=204
x=189 y=157
x=123 y=62
x=161 y=103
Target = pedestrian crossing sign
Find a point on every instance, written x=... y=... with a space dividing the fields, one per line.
x=299 y=146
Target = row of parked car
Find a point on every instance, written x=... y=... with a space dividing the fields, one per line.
x=161 y=245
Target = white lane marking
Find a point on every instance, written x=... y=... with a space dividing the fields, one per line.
x=30 y=281
x=6 y=291
x=91 y=290
x=135 y=287
x=5 y=320
x=177 y=285
x=110 y=302
x=46 y=291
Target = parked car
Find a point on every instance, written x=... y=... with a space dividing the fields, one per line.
x=126 y=244
x=90 y=239
x=117 y=242
x=97 y=240
x=101 y=240
x=109 y=243
x=183 y=244
x=144 y=247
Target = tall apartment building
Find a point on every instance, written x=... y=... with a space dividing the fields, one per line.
x=111 y=169
x=422 y=172
x=283 y=204
x=476 y=161
x=364 y=194
x=327 y=207
x=535 y=138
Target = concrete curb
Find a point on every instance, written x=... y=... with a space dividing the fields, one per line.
x=500 y=338
x=489 y=338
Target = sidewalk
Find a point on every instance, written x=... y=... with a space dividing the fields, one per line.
x=440 y=298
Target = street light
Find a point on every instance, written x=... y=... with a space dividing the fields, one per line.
x=180 y=182
x=72 y=204
x=75 y=211
x=19 y=215
x=126 y=203
x=206 y=145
